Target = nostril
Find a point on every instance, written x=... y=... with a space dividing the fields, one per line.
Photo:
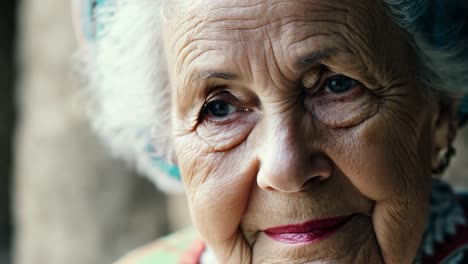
x=320 y=169
x=313 y=182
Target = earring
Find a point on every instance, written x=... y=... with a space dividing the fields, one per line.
x=445 y=160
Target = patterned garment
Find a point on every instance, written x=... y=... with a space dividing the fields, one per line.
x=183 y=247
x=446 y=237
x=445 y=240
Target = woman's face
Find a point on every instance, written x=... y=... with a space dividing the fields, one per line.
x=293 y=112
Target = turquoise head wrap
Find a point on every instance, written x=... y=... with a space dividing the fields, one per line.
x=95 y=17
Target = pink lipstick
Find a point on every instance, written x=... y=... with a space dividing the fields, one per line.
x=308 y=232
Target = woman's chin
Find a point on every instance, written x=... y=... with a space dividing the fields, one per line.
x=353 y=241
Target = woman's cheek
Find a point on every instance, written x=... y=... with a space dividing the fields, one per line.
x=383 y=159
x=219 y=203
x=218 y=176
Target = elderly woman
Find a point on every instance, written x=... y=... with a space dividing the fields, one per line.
x=303 y=131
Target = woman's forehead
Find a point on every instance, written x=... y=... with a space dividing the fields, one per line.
x=251 y=15
x=264 y=6
x=215 y=34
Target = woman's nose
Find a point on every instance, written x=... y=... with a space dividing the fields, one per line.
x=287 y=163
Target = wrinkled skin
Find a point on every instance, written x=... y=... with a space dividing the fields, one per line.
x=290 y=149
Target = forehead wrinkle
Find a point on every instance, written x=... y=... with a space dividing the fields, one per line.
x=185 y=53
x=190 y=70
x=192 y=52
x=235 y=17
x=355 y=34
x=274 y=63
x=187 y=32
x=291 y=22
x=355 y=43
x=205 y=26
x=265 y=8
x=364 y=44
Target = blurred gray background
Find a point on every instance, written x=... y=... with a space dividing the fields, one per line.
x=68 y=200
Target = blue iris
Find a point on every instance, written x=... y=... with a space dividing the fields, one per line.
x=219 y=108
x=340 y=83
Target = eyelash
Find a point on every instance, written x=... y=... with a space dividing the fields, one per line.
x=320 y=86
x=222 y=98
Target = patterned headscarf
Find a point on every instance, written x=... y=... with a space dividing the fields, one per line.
x=94 y=22
x=96 y=16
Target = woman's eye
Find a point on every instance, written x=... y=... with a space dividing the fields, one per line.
x=219 y=108
x=339 y=84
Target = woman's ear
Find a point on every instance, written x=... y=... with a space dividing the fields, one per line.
x=445 y=125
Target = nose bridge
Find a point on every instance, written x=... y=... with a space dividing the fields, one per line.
x=284 y=155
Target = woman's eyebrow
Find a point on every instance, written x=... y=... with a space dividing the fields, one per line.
x=313 y=59
x=218 y=75
x=310 y=60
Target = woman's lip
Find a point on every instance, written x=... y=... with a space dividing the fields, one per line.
x=310 y=231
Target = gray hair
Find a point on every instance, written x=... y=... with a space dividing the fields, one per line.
x=438 y=31
x=127 y=80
